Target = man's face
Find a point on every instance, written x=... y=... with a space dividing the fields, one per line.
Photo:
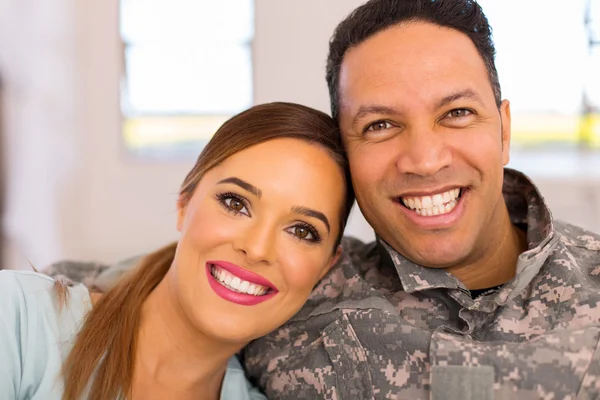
x=426 y=143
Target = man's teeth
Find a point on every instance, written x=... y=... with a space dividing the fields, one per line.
x=236 y=284
x=438 y=204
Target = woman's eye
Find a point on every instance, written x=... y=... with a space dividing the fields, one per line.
x=305 y=232
x=301 y=232
x=379 y=126
x=235 y=204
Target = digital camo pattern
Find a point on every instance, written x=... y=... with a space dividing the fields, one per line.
x=379 y=326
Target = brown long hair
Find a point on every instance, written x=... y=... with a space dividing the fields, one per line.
x=103 y=354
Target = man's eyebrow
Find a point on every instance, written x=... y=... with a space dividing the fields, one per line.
x=243 y=184
x=461 y=94
x=312 y=213
x=363 y=111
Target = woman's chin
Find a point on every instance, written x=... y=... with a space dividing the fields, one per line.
x=234 y=332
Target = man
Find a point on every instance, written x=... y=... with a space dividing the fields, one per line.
x=471 y=291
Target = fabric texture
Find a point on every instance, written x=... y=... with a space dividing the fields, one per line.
x=37 y=333
x=379 y=326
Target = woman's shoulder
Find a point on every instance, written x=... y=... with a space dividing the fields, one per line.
x=33 y=299
x=236 y=385
x=19 y=288
x=16 y=280
x=37 y=326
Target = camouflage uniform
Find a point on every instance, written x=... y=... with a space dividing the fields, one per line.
x=379 y=326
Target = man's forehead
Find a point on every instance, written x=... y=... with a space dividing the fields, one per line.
x=415 y=61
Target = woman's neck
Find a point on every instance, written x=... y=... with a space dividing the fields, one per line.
x=173 y=359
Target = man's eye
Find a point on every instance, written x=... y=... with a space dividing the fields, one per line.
x=459 y=112
x=378 y=126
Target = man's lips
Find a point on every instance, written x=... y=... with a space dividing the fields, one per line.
x=433 y=202
x=434 y=214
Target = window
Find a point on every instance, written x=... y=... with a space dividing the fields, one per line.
x=548 y=60
x=188 y=68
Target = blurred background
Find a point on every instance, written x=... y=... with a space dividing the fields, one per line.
x=104 y=105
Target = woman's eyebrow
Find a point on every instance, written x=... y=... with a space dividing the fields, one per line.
x=243 y=184
x=309 y=212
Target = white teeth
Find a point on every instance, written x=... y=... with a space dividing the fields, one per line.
x=236 y=284
x=447 y=197
x=426 y=202
x=438 y=204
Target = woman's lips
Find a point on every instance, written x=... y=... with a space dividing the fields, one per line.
x=243 y=274
x=237 y=285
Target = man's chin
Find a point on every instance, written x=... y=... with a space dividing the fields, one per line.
x=435 y=255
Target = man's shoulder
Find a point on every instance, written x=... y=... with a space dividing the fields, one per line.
x=357 y=252
x=578 y=252
x=575 y=236
x=345 y=282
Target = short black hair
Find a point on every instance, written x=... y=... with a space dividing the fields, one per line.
x=374 y=16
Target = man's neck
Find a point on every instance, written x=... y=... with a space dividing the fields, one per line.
x=173 y=357
x=497 y=265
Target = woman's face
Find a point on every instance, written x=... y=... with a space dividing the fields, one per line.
x=256 y=236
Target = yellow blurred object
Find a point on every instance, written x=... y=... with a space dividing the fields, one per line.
x=536 y=130
x=152 y=131
x=527 y=130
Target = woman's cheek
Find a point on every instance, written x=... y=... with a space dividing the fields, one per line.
x=210 y=227
x=301 y=271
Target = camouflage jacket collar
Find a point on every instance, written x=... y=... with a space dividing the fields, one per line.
x=527 y=208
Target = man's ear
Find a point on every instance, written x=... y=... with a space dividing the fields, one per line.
x=181 y=210
x=506 y=130
x=334 y=260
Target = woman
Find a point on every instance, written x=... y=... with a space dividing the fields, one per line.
x=261 y=215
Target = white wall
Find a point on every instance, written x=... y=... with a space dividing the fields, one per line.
x=37 y=63
x=73 y=192
x=290 y=51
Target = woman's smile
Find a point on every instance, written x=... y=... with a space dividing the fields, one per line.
x=237 y=285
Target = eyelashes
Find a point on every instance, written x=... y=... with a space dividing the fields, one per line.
x=381 y=126
x=233 y=203
x=305 y=231
x=236 y=205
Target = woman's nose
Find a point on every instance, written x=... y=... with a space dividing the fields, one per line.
x=257 y=244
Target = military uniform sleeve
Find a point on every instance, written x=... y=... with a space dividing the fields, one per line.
x=10 y=334
x=590 y=386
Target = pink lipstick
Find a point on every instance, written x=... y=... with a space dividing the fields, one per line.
x=228 y=292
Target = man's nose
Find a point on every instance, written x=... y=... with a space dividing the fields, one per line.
x=423 y=152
